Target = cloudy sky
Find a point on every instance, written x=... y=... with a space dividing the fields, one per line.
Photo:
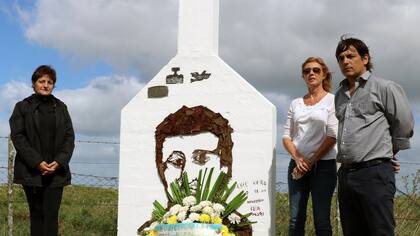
x=106 y=50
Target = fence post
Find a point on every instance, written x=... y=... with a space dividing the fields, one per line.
x=11 y=152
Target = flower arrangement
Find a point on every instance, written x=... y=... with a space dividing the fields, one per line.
x=198 y=202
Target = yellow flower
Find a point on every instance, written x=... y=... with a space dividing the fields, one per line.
x=228 y=234
x=225 y=229
x=204 y=218
x=152 y=233
x=216 y=220
x=172 y=219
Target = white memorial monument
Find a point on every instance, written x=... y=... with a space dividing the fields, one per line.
x=236 y=132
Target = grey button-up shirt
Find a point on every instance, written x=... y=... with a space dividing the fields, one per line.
x=373 y=122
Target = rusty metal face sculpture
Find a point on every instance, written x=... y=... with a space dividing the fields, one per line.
x=191 y=121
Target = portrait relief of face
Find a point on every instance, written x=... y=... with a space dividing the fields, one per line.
x=190 y=154
x=192 y=139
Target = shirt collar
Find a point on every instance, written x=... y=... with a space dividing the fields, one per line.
x=365 y=76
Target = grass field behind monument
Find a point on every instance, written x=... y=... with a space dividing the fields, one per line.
x=92 y=211
x=85 y=211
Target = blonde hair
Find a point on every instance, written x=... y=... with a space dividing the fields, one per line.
x=327 y=82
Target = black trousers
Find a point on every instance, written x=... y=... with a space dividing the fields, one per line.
x=44 y=203
x=366 y=198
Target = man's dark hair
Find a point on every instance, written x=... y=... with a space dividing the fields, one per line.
x=44 y=70
x=358 y=44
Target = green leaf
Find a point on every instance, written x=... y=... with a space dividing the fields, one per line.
x=176 y=192
x=186 y=184
x=158 y=211
x=246 y=215
x=217 y=186
x=228 y=192
x=207 y=187
x=158 y=206
x=245 y=223
x=198 y=190
x=201 y=182
x=236 y=202
x=168 y=195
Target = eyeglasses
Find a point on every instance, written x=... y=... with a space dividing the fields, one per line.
x=308 y=70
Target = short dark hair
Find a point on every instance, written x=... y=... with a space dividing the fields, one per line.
x=44 y=70
x=358 y=44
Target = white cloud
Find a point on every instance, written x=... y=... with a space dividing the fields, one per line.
x=282 y=103
x=122 y=33
x=275 y=36
x=11 y=93
x=4 y=128
x=95 y=109
x=284 y=33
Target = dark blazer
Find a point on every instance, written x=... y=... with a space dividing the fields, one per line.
x=24 y=126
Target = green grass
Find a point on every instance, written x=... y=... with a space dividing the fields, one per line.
x=84 y=211
x=407 y=216
x=91 y=211
x=282 y=216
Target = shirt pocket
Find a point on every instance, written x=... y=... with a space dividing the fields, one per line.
x=365 y=110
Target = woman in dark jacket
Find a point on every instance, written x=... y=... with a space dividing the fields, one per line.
x=43 y=136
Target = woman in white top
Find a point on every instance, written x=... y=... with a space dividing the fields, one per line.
x=310 y=137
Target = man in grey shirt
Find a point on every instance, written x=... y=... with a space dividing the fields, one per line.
x=375 y=122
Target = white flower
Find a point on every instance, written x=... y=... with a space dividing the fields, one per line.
x=194 y=217
x=174 y=209
x=189 y=201
x=181 y=215
x=205 y=203
x=234 y=218
x=219 y=208
x=208 y=210
x=195 y=208
x=214 y=214
x=187 y=221
x=184 y=208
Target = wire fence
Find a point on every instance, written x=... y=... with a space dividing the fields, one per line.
x=94 y=180
x=407 y=203
x=97 y=180
x=83 y=179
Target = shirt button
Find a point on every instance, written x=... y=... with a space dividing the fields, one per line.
x=342 y=142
